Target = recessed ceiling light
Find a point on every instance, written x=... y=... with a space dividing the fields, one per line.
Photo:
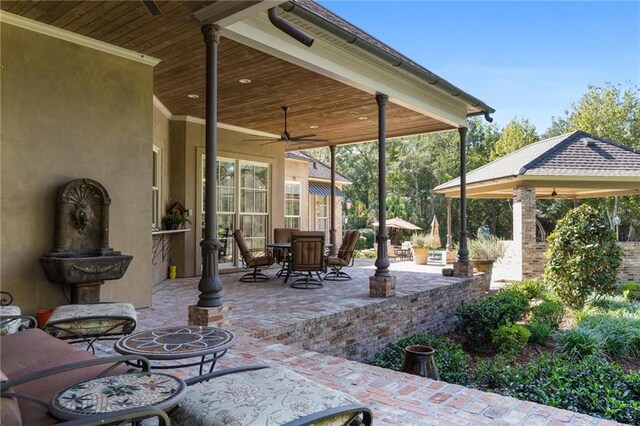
x=244 y=81
x=193 y=96
x=363 y=118
x=313 y=127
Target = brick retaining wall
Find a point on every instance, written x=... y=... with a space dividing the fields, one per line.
x=357 y=334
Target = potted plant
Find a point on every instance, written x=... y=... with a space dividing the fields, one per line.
x=420 y=245
x=175 y=221
x=484 y=251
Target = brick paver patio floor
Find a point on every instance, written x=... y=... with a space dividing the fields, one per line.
x=395 y=398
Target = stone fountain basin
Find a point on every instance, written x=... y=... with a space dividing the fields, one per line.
x=80 y=269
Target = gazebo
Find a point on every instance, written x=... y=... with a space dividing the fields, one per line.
x=576 y=165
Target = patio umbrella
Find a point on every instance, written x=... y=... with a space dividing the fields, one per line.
x=396 y=222
x=435 y=233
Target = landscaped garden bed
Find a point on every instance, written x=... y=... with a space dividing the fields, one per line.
x=523 y=342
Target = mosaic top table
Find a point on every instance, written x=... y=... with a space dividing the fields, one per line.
x=173 y=343
x=116 y=393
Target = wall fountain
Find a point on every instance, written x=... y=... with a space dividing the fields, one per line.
x=82 y=257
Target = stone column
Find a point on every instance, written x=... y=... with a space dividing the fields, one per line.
x=524 y=232
x=382 y=284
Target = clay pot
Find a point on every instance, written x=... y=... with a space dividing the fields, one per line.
x=418 y=360
x=420 y=255
x=485 y=266
x=42 y=315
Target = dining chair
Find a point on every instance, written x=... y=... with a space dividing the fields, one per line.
x=249 y=260
x=343 y=258
x=307 y=256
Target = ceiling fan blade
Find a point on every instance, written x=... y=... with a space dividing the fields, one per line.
x=152 y=7
x=296 y=138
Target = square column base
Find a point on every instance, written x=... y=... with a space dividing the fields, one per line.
x=220 y=316
x=382 y=286
x=463 y=269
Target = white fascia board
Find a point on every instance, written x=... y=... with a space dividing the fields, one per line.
x=51 y=31
x=330 y=61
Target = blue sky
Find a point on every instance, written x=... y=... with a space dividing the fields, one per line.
x=526 y=59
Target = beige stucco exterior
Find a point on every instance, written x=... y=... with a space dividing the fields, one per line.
x=69 y=112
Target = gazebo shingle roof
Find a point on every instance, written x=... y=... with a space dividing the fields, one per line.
x=577 y=154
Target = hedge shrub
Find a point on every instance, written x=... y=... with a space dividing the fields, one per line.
x=477 y=321
x=583 y=256
x=510 y=338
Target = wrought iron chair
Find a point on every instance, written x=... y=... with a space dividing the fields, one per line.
x=11 y=318
x=251 y=261
x=343 y=258
x=274 y=396
x=307 y=255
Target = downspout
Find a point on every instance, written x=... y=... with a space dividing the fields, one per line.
x=417 y=71
x=289 y=29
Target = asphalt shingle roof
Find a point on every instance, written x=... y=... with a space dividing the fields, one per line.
x=577 y=154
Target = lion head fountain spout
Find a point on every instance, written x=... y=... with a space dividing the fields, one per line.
x=82 y=257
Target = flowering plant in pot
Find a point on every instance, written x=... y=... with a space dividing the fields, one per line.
x=420 y=245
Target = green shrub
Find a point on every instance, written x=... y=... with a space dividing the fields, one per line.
x=620 y=332
x=365 y=241
x=540 y=331
x=531 y=288
x=580 y=343
x=476 y=321
x=367 y=254
x=451 y=360
x=589 y=386
x=549 y=310
x=584 y=256
x=510 y=338
x=630 y=291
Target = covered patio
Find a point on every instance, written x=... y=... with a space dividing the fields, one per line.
x=574 y=166
x=268 y=326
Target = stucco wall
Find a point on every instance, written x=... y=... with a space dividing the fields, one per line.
x=71 y=112
x=161 y=140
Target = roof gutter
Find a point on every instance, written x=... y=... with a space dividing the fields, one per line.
x=417 y=71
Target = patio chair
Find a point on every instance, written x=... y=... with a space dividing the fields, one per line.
x=343 y=258
x=307 y=256
x=249 y=260
x=265 y=395
x=11 y=318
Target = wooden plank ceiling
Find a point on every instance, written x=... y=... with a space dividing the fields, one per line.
x=175 y=38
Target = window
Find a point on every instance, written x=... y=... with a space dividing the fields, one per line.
x=254 y=213
x=156 y=189
x=322 y=213
x=226 y=204
x=292 y=205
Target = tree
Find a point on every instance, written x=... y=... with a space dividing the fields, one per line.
x=583 y=256
x=515 y=135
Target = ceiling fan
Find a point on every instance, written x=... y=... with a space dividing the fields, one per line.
x=286 y=137
x=152 y=7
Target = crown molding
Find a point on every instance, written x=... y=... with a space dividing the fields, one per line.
x=29 y=24
x=163 y=109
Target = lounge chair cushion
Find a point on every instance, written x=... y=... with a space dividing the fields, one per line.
x=10 y=327
x=96 y=319
x=270 y=396
x=9 y=409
